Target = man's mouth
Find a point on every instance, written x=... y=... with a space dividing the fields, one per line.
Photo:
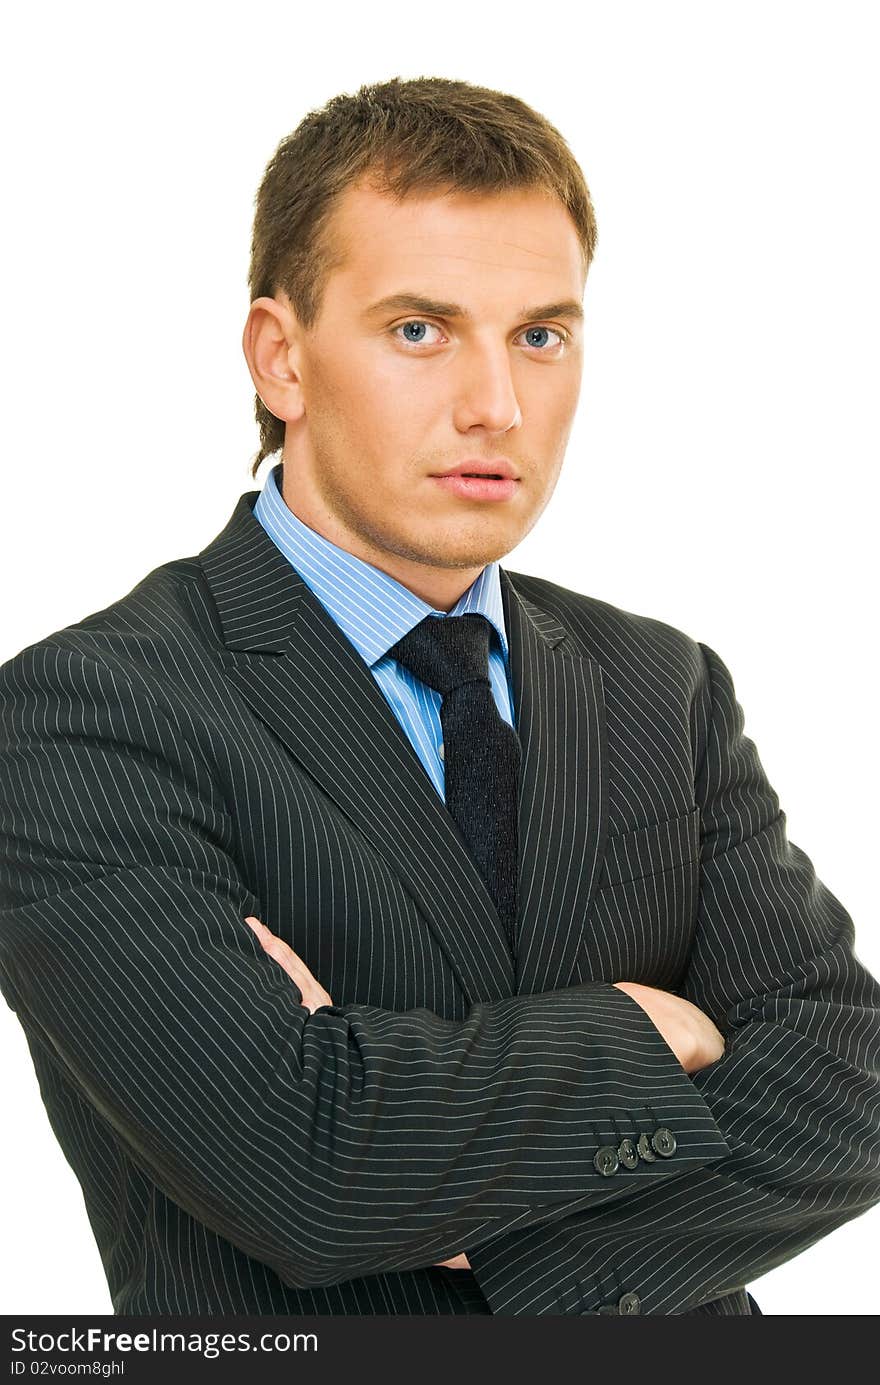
x=478 y=485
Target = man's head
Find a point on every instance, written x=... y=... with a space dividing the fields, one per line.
x=472 y=206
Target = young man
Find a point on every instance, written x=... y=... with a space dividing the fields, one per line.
x=394 y=933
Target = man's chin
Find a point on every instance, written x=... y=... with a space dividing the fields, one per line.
x=465 y=558
x=440 y=545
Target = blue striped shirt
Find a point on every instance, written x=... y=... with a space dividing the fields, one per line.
x=374 y=611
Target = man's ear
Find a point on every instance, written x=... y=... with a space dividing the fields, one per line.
x=271 y=344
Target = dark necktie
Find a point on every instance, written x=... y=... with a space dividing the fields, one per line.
x=481 y=751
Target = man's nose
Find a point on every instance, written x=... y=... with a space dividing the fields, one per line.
x=486 y=394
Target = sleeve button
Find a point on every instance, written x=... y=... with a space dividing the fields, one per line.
x=664 y=1141
x=629 y=1304
x=627 y=1154
x=605 y=1160
x=645 y=1150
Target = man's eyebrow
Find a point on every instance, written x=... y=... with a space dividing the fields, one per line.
x=432 y=307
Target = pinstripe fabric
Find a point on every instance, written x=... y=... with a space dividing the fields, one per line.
x=375 y=611
x=211 y=746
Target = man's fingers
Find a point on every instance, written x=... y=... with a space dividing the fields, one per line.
x=313 y=993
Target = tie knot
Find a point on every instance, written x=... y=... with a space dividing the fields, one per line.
x=446 y=652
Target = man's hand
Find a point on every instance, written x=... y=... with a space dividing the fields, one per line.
x=690 y=1034
x=313 y=993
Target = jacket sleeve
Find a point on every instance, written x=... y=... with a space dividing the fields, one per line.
x=796 y=1094
x=343 y=1143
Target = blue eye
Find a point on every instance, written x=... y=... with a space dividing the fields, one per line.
x=416 y=324
x=531 y=330
x=414 y=327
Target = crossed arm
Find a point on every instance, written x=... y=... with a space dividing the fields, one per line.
x=693 y=1038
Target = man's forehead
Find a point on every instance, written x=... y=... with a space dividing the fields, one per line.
x=518 y=231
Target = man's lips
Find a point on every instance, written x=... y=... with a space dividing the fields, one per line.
x=478 y=487
x=482 y=466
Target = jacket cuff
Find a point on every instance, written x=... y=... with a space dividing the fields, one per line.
x=670 y=1133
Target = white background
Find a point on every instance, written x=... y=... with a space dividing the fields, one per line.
x=728 y=408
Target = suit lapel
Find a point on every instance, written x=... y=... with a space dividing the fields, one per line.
x=287 y=657
x=560 y=718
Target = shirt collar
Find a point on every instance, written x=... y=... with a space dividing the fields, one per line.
x=372 y=609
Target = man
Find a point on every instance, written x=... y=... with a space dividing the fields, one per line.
x=394 y=933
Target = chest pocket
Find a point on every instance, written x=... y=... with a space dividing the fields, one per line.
x=642 y=917
x=662 y=846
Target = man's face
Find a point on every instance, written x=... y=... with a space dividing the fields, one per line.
x=379 y=400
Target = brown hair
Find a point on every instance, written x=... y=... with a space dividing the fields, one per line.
x=419 y=136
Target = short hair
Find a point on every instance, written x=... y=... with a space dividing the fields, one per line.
x=423 y=135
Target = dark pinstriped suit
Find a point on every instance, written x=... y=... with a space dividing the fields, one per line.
x=211 y=746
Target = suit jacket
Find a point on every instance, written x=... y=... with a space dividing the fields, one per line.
x=211 y=746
